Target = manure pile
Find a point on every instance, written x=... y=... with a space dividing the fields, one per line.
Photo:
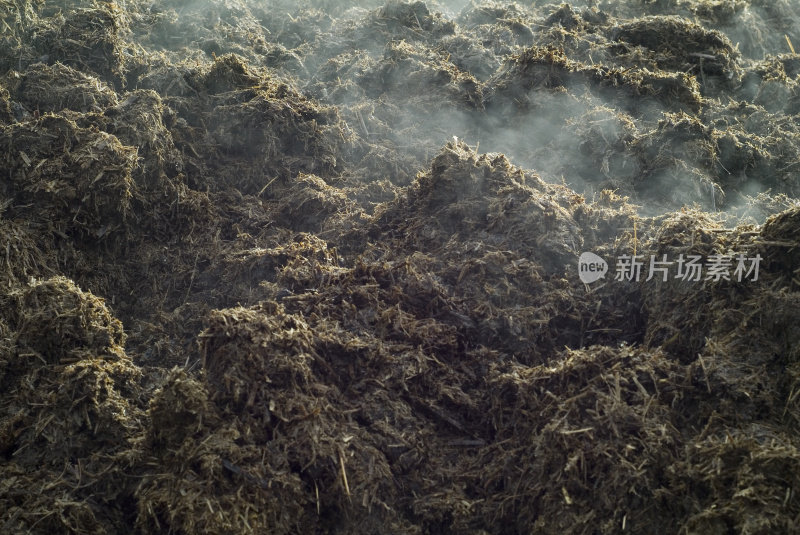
x=402 y=267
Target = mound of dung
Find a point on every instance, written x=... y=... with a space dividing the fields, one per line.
x=215 y=479
x=139 y=121
x=24 y=255
x=748 y=473
x=466 y=195
x=58 y=322
x=679 y=44
x=269 y=376
x=681 y=159
x=310 y=204
x=419 y=71
x=781 y=228
x=397 y=20
x=493 y=444
x=516 y=83
x=681 y=312
x=88 y=39
x=610 y=435
x=500 y=241
x=500 y=26
x=51 y=88
x=244 y=129
x=70 y=408
x=66 y=179
x=249 y=285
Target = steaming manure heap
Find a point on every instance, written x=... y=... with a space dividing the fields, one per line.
x=280 y=267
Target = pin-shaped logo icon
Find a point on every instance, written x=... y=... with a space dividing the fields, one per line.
x=591 y=268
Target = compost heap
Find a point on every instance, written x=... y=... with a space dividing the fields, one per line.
x=273 y=267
